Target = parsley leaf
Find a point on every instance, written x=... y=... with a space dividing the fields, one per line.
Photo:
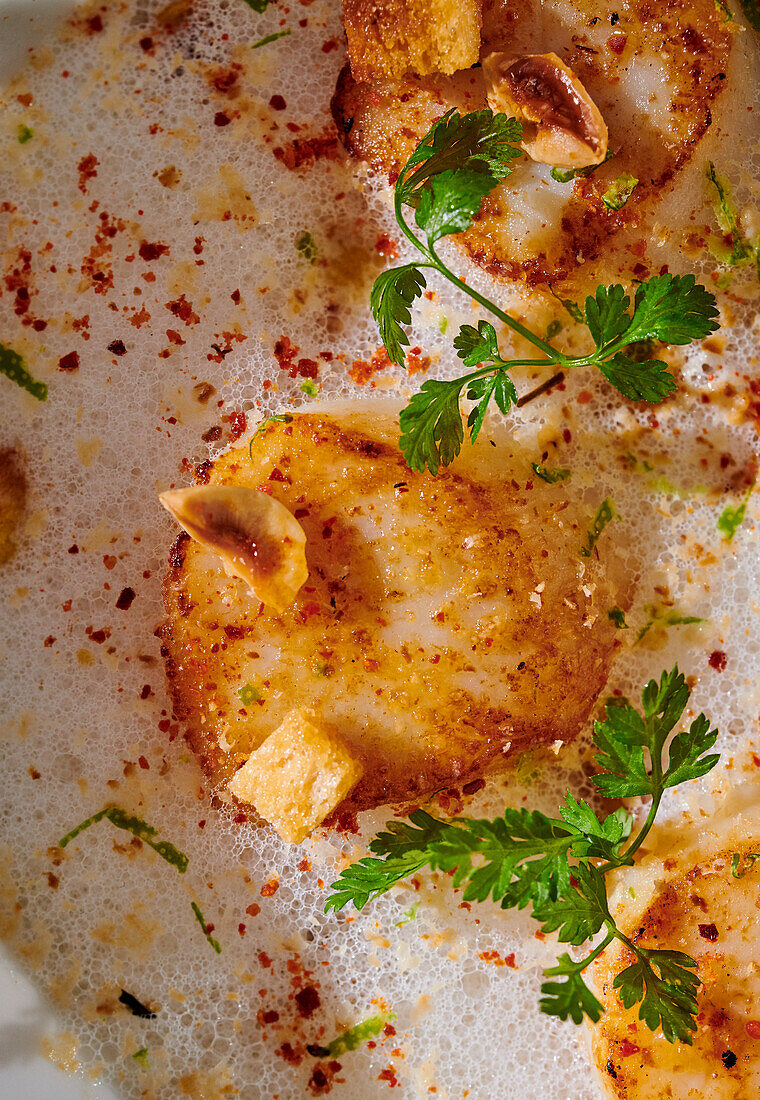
x=668 y=998
x=674 y=309
x=526 y=857
x=480 y=140
x=392 y=294
x=431 y=426
x=649 y=380
x=499 y=386
x=571 y=999
x=477 y=345
x=625 y=734
x=452 y=200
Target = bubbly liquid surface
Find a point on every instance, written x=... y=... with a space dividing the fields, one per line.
x=156 y=230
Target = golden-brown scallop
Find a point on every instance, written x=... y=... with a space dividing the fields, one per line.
x=445 y=622
x=698 y=891
x=652 y=70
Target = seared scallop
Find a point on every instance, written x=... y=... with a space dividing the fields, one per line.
x=698 y=891
x=445 y=622
x=649 y=74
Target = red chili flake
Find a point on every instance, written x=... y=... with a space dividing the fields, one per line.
x=221 y=119
x=264 y=959
x=277 y=103
x=146 y=691
x=285 y=353
x=627 y=1048
x=126 y=596
x=330 y=45
x=386 y=246
x=269 y=889
x=225 y=79
x=267 y=1016
x=94 y=24
x=717 y=660
x=183 y=309
x=235 y=297
x=416 y=363
x=69 y=362
x=235 y=632
x=241 y=929
x=307 y=368
x=213 y=433
x=174 y=337
x=74 y=549
x=708 y=932
x=752 y=1027
x=238 y=424
x=307 y=1001
x=253 y=910
x=289 y=1054
x=389 y=1075
x=150 y=251
x=49 y=641
x=87 y=169
x=277 y=475
x=616 y=43
x=303 y=152
x=146 y=44
x=143 y=762
x=97 y=636
x=566 y=435
x=303 y=614
x=304 y=865
x=240 y=819
x=116 y=347
x=323 y=1076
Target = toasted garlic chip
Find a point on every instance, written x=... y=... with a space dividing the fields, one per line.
x=256 y=537
x=561 y=123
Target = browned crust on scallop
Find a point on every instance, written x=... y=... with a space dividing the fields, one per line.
x=381 y=122
x=449 y=735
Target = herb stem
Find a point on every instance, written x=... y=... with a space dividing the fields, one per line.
x=612 y=934
x=547 y=385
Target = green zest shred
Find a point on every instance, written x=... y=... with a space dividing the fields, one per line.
x=558 y=865
x=199 y=917
x=259 y=6
x=605 y=513
x=731 y=519
x=619 y=191
x=750 y=859
x=249 y=694
x=661 y=617
x=617 y=616
x=14 y=367
x=559 y=473
x=270 y=38
x=141 y=1057
x=352 y=1039
x=135 y=825
x=562 y=176
x=25 y=133
x=311 y=389
x=740 y=251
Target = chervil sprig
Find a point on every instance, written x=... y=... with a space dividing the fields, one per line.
x=459 y=161
x=558 y=865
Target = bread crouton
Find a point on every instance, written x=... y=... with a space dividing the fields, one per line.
x=388 y=38
x=297 y=776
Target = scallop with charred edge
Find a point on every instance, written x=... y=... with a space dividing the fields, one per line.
x=561 y=123
x=256 y=537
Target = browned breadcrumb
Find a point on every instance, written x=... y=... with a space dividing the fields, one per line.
x=388 y=38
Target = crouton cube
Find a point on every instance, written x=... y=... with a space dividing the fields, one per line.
x=388 y=38
x=297 y=776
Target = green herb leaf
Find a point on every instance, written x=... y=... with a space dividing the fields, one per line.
x=551 y=476
x=141 y=1057
x=580 y=911
x=606 y=313
x=451 y=201
x=477 y=345
x=25 y=133
x=650 y=380
x=393 y=293
x=625 y=734
x=605 y=513
x=480 y=140
x=135 y=825
x=674 y=309
x=571 y=999
x=666 y=984
x=14 y=367
x=259 y=6
x=617 y=616
x=660 y=617
x=206 y=928
x=572 y=307
x=499 y=386
x=270 y=38
x=619 y=191
x=431 y=426
x=750 y=858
